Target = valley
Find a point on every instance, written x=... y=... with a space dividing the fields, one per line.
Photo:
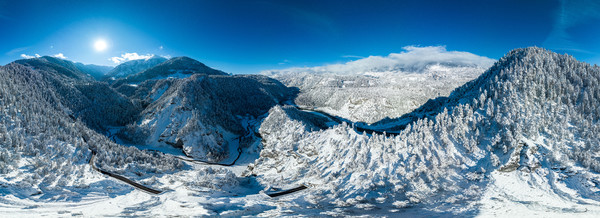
x=174 y=137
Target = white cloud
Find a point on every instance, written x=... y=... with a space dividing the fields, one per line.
x=30 y=56
x=161 y=47
x=59 y=55
x=129 y=57
x=412 y=59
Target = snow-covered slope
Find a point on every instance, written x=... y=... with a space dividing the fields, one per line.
x=524 y=134
x=202 y=113
x=134 y=66
x=177 y=67
x=44 y=153
x=95 y=103
x=520 y=140
x=46 y=166
x=373 y=88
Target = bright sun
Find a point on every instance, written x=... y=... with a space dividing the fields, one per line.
x=100 y=45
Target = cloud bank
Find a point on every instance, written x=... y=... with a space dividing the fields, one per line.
x=129 y=57
x=59 y=55
x=30 y=56
x=412 y=59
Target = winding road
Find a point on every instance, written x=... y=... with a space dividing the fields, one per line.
x=118 y=177
x=191 y=160
x=285 y=192
x=239 y=150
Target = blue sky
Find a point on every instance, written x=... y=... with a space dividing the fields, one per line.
x=250 y=36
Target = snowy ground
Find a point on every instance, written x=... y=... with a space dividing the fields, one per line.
x=508 y=196
x=202 y=190
x=518 y=194
x=206 y=190
x=198 y=190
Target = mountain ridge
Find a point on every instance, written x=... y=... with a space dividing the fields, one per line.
x=61 y=67
x=178 y=67
x=522 y=136
x=134 y=66
x=202 y=111
x=522 y=120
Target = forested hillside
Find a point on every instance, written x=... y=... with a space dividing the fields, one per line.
x=94 y=102
x=522 y=136
x=533 y=116
x=202 y=111
x=45 y=152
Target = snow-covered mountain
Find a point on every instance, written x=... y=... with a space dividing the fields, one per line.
x=96 y=71
x=95 y=103
x=191 y=106
x=203 y=112
x=47 y=148
x=200 y=114
x=373 y=88
x=177 y=67
x=56 y=66
x=44 y=151
x=134 y=66
x=522 y=137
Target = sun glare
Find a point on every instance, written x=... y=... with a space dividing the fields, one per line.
x=100 y=45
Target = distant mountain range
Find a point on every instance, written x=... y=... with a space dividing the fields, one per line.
x=134 y=66
x=96 y=71
x=178 y=67
x=371 y=89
